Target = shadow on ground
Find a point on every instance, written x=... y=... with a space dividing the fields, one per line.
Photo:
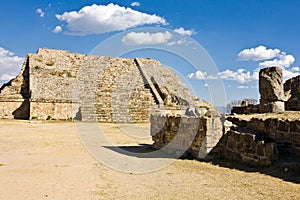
x=277 y=170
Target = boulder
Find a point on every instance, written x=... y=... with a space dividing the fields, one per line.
x=271 y=84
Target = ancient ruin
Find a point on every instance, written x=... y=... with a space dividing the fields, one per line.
x=276 y=96
x=254 y=140
x=62 y=85
x=57 y=84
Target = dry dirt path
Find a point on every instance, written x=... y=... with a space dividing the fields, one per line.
x=48 y=161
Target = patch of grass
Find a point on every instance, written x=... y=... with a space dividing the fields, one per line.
x=49 y=117
x=39 y=59
x=50 y=63
x=34 y=117
x=71 y=119
x=1 y=164
x=70 y=75
x=53 y=73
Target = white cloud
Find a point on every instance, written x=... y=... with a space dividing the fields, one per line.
x=199 y=75
x=97 y=19
x=290 y=73
x=182 y=41
x=57 y=29
x=283 y=60
x=133 y=4
x=9 y=64
x=9 y=60
x=239 y=76
x=40 y=12
x=258 y=53
x=294 y=69
x=243 y=87
x=7 y=77
x=140 y=38
x=182 y=31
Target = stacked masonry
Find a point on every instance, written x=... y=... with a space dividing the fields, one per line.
x=58 y=84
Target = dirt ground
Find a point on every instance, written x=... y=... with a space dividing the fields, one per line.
x=48 y=161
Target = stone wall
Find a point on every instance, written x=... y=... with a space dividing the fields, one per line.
x=254 y=142
x=246 y=148
x=285 y=133
x=45 y=110
x=270 y=107
x=14 y=109
x=197 y=135
x=108 y=89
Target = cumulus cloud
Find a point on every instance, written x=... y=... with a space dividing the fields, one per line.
x=140 y=38
x=40 y=12
x=258 y=53
x=182 y=31
x=290 y=73
x=7 y=77
x=9 y=64
x=267 y=58
x=283 y=60
x=262 y=53
x=97 y=19
x=199 y=75
x=240 y=76
x=57 y=29
x=133 y=4
x=9 y=60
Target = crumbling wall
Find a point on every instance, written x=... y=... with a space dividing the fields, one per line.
x=285 y=133
x=197 y=135
x=276 y=96
x=247 y=148
x=14 y=95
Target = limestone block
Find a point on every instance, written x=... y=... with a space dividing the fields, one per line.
x=271 y=84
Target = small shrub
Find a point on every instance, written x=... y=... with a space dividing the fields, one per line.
x=71 y=119
x=49 y=117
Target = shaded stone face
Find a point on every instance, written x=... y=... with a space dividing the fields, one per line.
x=292 y=92
x=271 y=84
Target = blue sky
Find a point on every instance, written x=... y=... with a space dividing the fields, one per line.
x=240 y=36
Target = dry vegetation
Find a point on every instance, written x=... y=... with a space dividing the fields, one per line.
x=48 y=161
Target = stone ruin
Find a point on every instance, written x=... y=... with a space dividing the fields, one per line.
x=276 y=96
x=252 y=141
x=61 y=85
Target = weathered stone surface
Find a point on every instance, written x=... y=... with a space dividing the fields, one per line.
x=284 y=133
x=292 y=92
x=196 y=135
x=93 y=88
x=271 y=84
x=244 y=147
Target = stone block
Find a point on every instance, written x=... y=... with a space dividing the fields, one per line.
x=271 y=84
